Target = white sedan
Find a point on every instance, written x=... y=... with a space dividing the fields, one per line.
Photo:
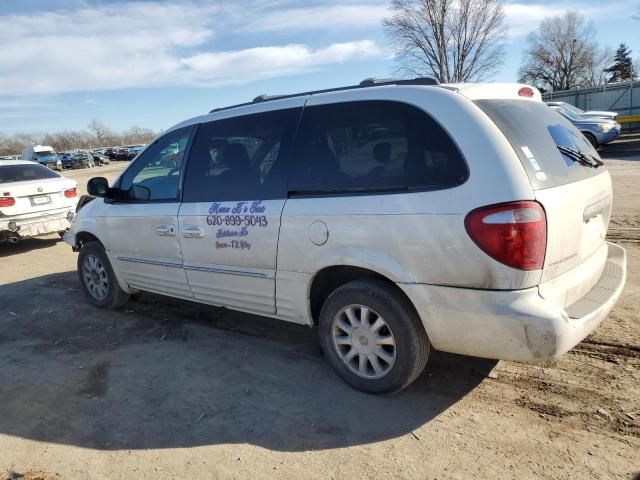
x=34 y=201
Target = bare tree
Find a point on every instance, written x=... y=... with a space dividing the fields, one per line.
x=453 y=40
x=596 y=63
x=100 y=130
x=560 y=52
x=72 y=139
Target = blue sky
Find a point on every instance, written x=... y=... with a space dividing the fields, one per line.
x=154 y=63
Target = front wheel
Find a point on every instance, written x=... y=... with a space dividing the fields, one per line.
x=372 y=337
x=97 y=278
x=592 y=139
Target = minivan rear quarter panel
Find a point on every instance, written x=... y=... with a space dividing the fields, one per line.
x=414 y=237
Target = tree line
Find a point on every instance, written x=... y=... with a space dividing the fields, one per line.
x=96 y=135
x=463 y=41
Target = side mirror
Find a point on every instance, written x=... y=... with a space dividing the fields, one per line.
x=98 y=187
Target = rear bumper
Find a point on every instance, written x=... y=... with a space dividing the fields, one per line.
x=515 y=325
x=34 y=227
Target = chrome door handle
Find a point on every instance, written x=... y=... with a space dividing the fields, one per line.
x=192 y=231
x=166 y=230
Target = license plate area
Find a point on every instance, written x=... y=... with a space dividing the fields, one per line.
x=40 y=200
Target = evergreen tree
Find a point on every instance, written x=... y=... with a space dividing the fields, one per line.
x=622 y=68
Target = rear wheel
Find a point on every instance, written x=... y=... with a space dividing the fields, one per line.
x=97 y=278
x=592 y=139
x=372 y=337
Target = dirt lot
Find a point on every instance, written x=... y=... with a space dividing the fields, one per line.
x=170 y=389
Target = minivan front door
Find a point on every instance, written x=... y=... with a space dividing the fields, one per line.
x=234 y=193
x=143 y=228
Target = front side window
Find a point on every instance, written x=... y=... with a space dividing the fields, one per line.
x=241 y=158
x=373 y=146
x=155 y=175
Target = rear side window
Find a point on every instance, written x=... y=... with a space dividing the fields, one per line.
x=373 y=146
x=24 y=173
x=535 y=131
x=241 y=158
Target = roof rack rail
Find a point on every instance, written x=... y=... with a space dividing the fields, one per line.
x=367 y=82
x=375 y=82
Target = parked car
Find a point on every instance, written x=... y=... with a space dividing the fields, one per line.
x=582 y=113
x=67 y=159
x=44 y=155
x=83 y=159
x=122 y=154
x=599 y=131
x=100 y=159
x=403 y=216
x=110 y=153
x=133 y=152
x=34 y=200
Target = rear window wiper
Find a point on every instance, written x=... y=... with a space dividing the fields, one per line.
x=581 y=158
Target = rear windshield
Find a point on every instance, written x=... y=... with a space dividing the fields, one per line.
x=535 y=131
x=24 y=173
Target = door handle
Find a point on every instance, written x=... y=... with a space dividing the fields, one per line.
x=166 y=230
x=192 y=231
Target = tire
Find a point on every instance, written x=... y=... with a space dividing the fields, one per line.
x=97 y=278
x=592 y=139
x=402 y=339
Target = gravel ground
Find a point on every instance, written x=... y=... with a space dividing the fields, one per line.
x=172 y=389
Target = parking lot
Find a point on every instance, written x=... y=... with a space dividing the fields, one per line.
x=190 y=391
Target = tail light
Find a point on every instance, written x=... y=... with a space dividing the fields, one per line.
x=71 y=192
x=526 y=92
x=514 y=233
x=7 y=201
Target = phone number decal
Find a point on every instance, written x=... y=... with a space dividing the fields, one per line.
x=238 y=220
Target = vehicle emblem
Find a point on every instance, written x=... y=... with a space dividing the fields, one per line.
x=39 y=189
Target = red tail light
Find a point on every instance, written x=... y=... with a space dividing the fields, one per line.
x=71 y=192
x=7 y=201
x=512 y=233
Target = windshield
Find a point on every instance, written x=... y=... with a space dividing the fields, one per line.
x=23 y=173
x=46 y=155
x=571 y=108
x=569 y=114
x=535 y=132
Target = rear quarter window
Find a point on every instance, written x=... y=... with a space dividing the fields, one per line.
x=373 y=146
x=535 y=131
x=24 y=173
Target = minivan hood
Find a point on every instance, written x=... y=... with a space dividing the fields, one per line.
x=594 y=121
x=599 y=113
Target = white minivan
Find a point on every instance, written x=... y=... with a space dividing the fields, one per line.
x=396 y=216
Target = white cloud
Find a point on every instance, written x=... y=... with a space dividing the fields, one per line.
x=261 y=62
x=141 y=44
x=325 y=17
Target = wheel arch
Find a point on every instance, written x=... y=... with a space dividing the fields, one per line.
x=330 y=278
x=590 y=135
x=83 y=237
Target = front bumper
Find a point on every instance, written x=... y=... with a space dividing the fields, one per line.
x=515 y=325
x=607 y=137
x=37 y=226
